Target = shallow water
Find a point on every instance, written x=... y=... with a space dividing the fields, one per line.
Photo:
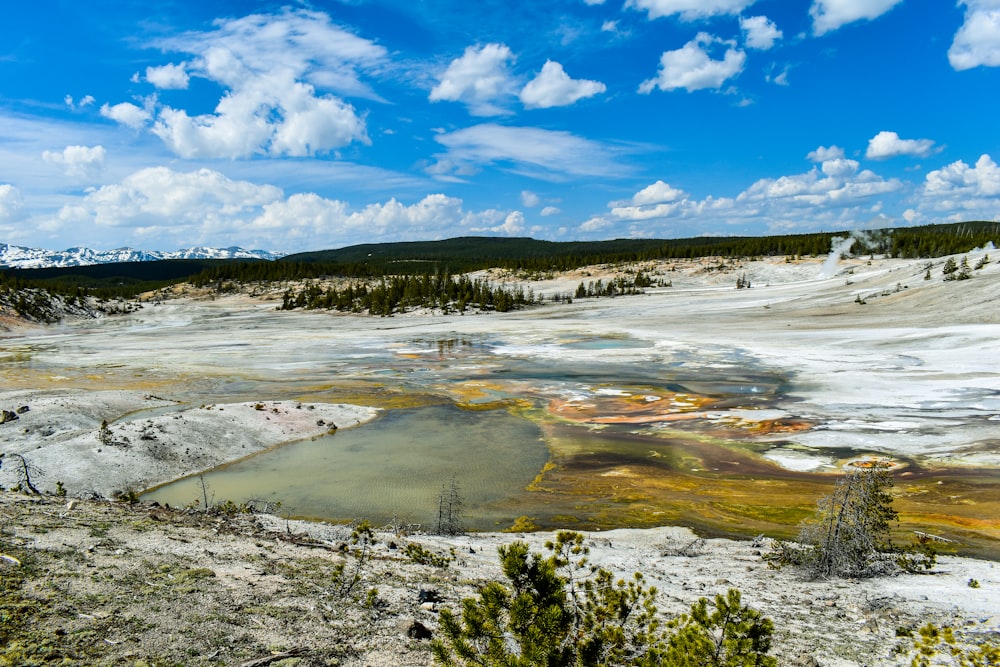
x=392 y=469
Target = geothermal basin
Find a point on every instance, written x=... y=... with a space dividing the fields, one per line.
x=731 y=411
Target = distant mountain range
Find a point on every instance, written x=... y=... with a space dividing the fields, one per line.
x=19 y=257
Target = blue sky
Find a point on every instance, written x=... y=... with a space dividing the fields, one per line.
x=296 y=126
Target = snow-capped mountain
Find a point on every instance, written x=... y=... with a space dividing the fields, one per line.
x=19 y=257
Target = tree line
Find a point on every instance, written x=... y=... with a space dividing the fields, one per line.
x=455 y=256
x=395 y=294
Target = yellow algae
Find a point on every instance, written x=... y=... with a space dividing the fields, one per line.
x=718 y=487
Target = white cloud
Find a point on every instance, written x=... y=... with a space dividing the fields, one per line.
x=271 y=69
x=888 y=144
x=691 y=67
x=824 y=153
x=159 y=196
x=78 y=161
x=779 y=79
x=168 y=77
x=310 y=217
x=530 y=199
x=85 y=101
x=127 y=113
x=959 y=192
x=479 y=78
x=272 y=114
x=553 y=88
x=959 y=179
x=689 y=10
x=761 y=32
x=596 y=224
x=549 y=211
x=593 y=2
x=11 y=204
x=838 y=192
x=527 y=150
x=838 y=182
x=829 y=15
x=305 y=43
x=175 y=209
x=977 y=41
x=512 y=224
x=300 y=214
x=657 y=193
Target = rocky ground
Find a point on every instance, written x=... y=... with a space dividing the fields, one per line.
x=111 y=583
x=76 y=434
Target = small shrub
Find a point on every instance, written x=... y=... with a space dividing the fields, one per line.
x=419 y=554
x=557 y=610
x=348 y=575
x=932 y=641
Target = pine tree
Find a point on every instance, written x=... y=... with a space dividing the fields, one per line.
x=557 y=611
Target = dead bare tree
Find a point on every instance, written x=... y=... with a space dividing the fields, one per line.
x=23 y=472
x=450 y=505
x=850 y=534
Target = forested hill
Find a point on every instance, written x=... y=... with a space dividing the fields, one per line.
x=464 y=254
x=473 y=252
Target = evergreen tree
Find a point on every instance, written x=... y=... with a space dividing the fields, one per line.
x=556 y=611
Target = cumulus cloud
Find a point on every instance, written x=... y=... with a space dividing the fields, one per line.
x=959 y=192
x=205 y=206
x=959 y=179
x=168 y=77
x=977 y=41
x=689 y=10
x=550 y=211
x=554 y=88
x=78 y=161
x=886 y=145
x=530 y=199
x=691 y=67
x=530 y=151
x=761 y=32
x=837 y=182
x=657 y=193
x=160 y=196
x=11 y=204
x=127 y=114
x=480 y=78
x=837 y=190
x=272 y=69
x=308 y=124
x=824 y=153
x=512 y=224
x=828 y=15
x=308 y=216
